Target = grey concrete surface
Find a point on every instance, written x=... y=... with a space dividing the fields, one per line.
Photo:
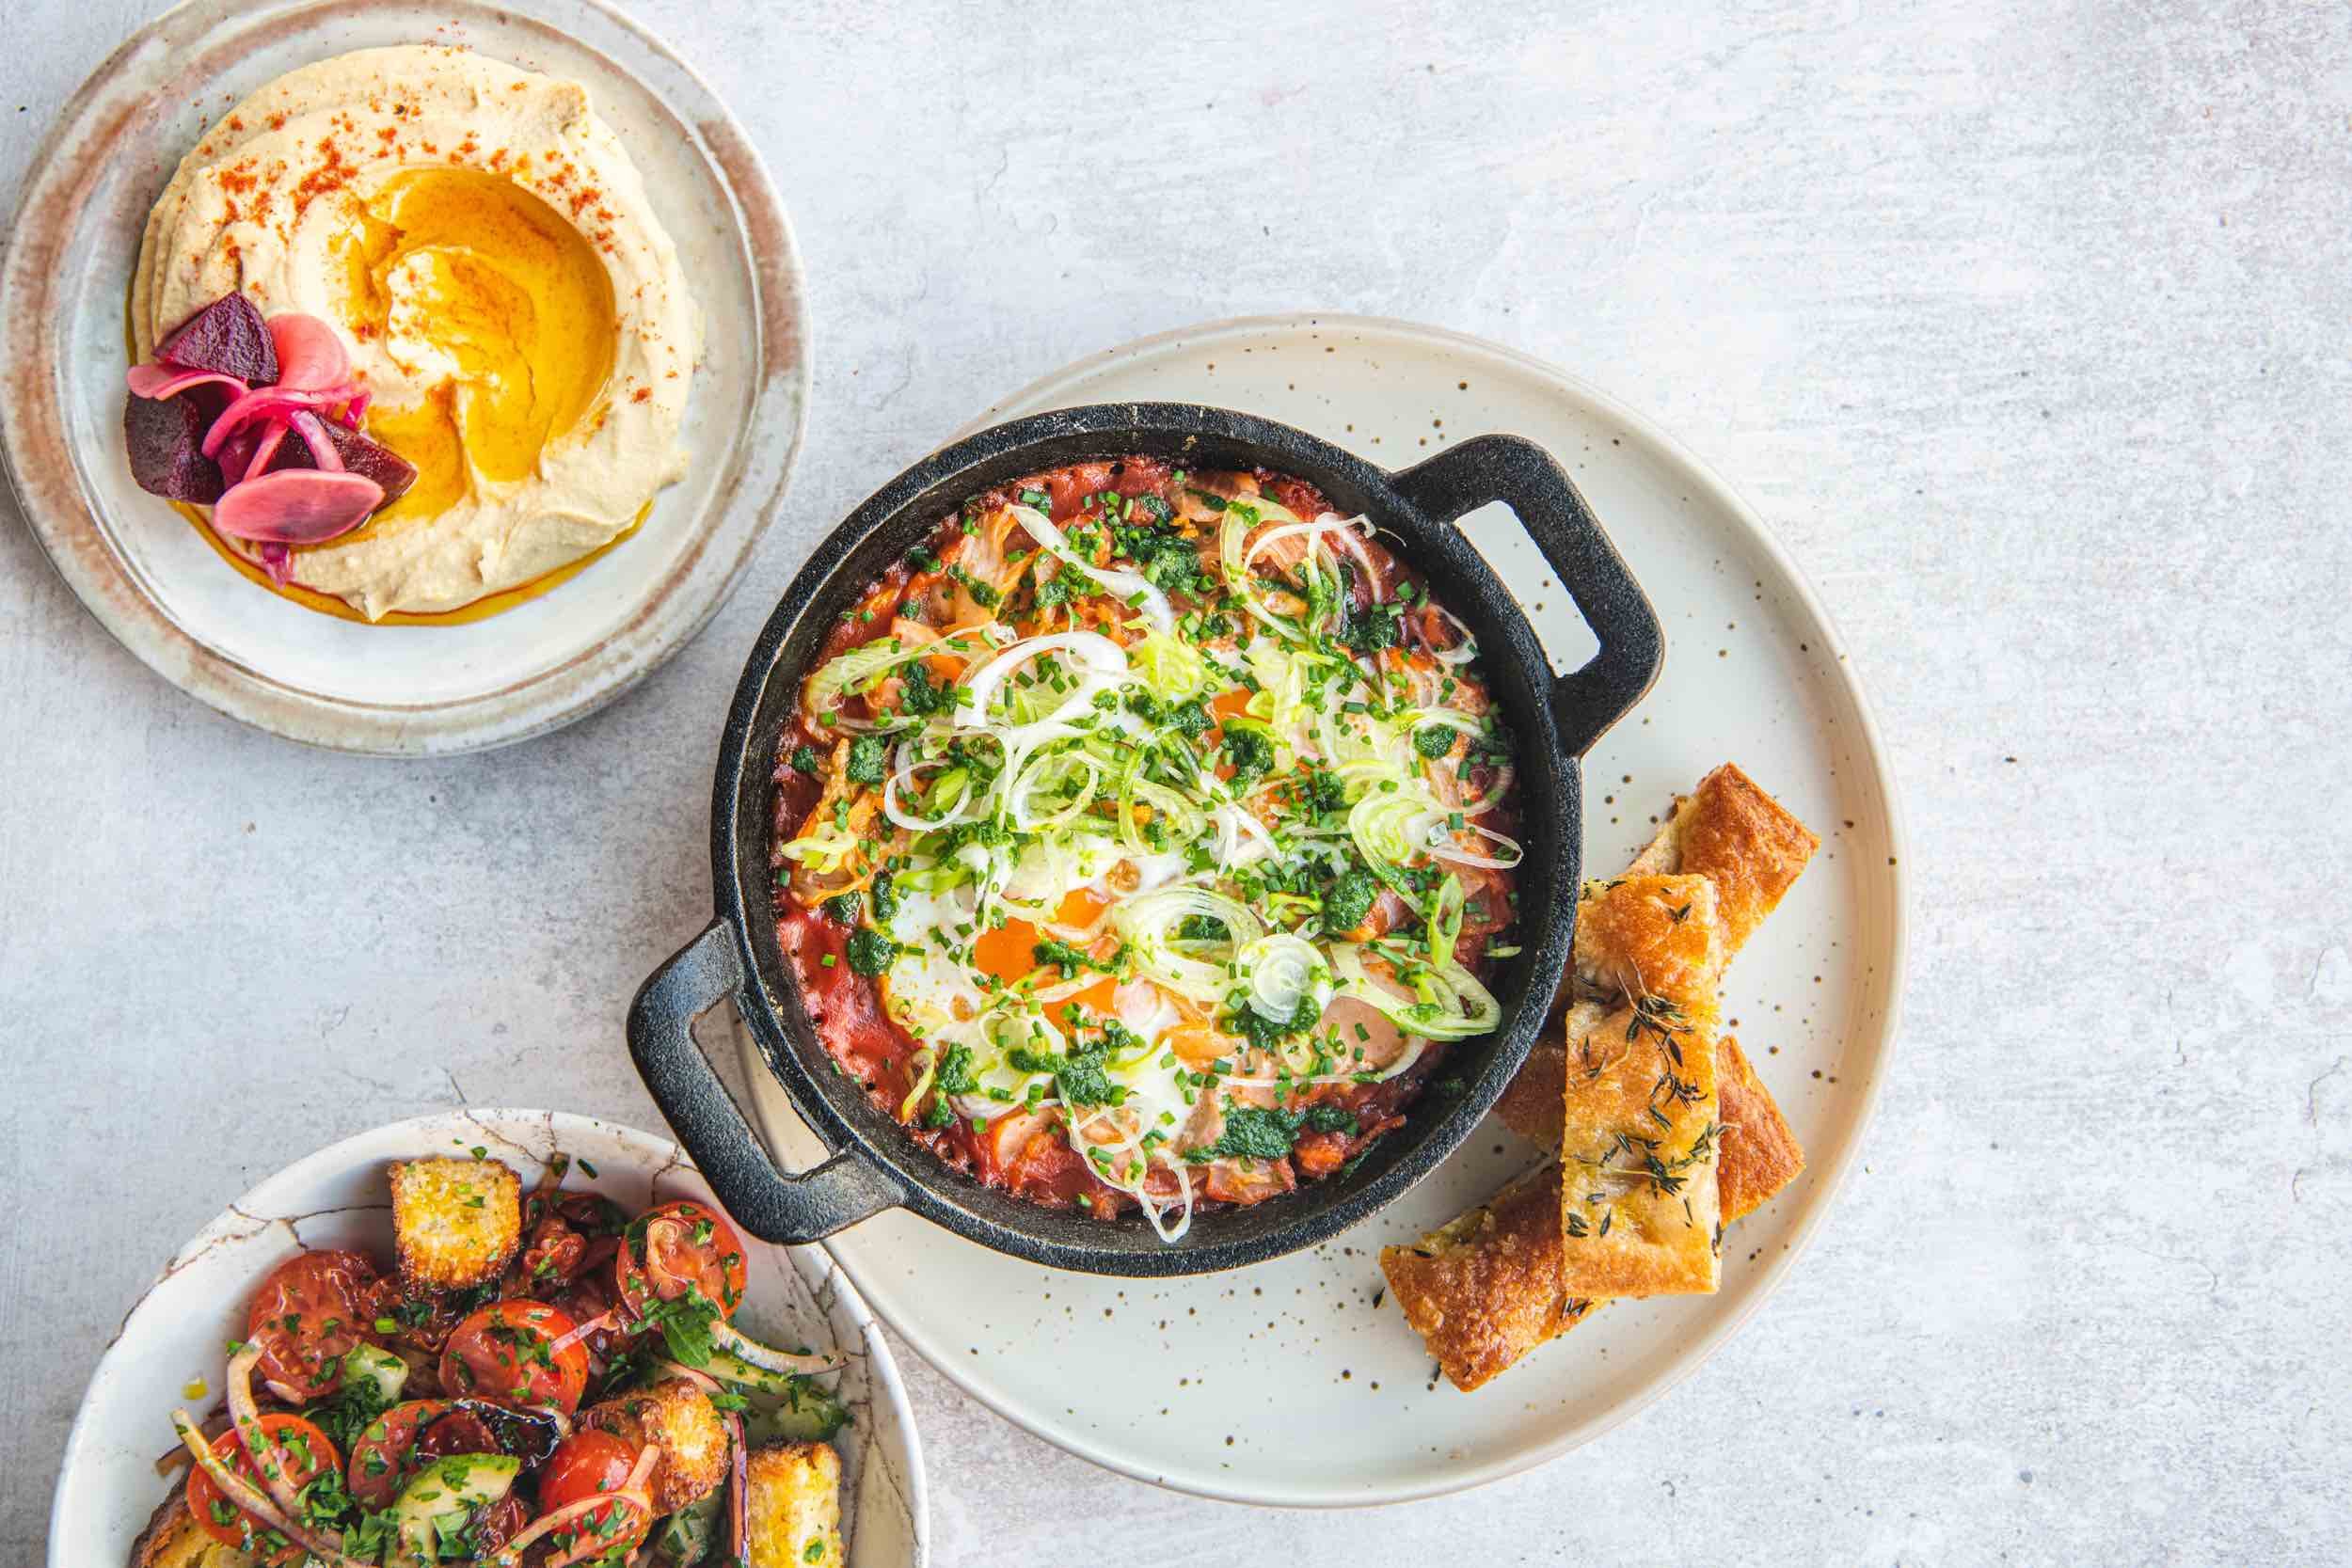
x=2024 y=322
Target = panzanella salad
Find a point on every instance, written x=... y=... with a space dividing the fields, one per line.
x=538 y=1380
x=1144 y=839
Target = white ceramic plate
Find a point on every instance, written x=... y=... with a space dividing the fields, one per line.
x=155 y=584
x=335 y=1198
x=1206 y=1385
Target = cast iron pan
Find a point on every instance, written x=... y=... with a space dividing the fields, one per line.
x=876 y=1165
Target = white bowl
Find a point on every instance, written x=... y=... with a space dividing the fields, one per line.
x=336 y=1198
x=159 y=587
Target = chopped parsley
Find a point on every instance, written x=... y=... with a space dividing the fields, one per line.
x=1371 y=630
x=1202 y=928
x=1250 y=751
x=1348 y=900
x=954 y=1073
x=1432 y=740
x=866 y=760
x=1062 y=956
x=982 y=594
x=921 y=698
x=870 y=951
x=1254 y=1133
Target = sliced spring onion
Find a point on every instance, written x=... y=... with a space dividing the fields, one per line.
x=1443 y=1002
x=1128 y=586
x=1282 y=972
x=857 y=671
x=1148 y=924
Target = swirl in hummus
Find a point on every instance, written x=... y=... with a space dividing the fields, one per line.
x=510 y=300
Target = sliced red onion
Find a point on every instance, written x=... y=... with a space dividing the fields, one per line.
x=311 y=353
x=565 y=1342
x=265 y=442
x=591 y=1542
x=275 y=402
x=245 y=1414
x=243 y=1494
x=739 y=1490
x=278 y=561
x=296 y=506
x=169 y=381
x=322 y=450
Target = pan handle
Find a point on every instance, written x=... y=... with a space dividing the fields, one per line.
x=770 y=1204
x=1523 y=476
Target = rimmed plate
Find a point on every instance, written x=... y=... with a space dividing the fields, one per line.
x=158 y=586
x=335 y=1198
x=1207 y=1384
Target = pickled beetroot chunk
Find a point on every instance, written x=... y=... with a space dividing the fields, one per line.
x=228 y=336
x=166 y=437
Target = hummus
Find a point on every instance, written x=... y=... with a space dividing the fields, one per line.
x=510 y=301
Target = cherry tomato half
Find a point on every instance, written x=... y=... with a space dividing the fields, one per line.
x=384 y=1455
x=505 y=1354
x=312 y=1308
x=677 y=1248
x=588 y=1462
x=303 y=1451
x=399 y=1443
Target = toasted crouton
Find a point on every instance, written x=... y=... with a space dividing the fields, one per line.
x=679 y=1417
x=173 y=1540
x=795 y=1506
x=455 y=1222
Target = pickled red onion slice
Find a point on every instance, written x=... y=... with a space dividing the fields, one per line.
x=311 y=353
x=296 y=506
x=168 y=381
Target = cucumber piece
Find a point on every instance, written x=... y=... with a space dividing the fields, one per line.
x=388 y=1371
x=729 y=1368
x=686 y=1537
x=807 y=1411
x=442 y=1496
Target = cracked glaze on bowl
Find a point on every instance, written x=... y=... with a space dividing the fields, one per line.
x=337 y=1198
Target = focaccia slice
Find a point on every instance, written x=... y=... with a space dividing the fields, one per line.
x=1638 y=1200
x=1727 y=831
x=1486 y=1290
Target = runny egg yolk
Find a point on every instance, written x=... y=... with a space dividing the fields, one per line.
x=1009 y=953
x=473 y=283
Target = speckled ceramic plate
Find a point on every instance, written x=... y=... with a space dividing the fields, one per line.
x=158 y=586
x=335 y=1198
x=1295 y=1382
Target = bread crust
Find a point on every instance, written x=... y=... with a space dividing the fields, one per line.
x=795 y=1506
x=679 y=1417
x=455 y=1222
x=1484 y=1291
x=1761 y=1155
x=1729 y=831
x=1480 y=1290
x=173 y=1539
x=1638 y=1200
